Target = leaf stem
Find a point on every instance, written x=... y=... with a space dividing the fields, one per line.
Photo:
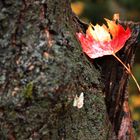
x=128 y=70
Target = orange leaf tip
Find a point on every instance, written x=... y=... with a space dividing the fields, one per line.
x=116 y=17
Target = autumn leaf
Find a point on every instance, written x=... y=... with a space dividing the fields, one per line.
x=100 y=40
x=77 y=7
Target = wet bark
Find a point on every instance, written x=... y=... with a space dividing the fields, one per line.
x=42 y=69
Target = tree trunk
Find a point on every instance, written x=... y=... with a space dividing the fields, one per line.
x=42 y=69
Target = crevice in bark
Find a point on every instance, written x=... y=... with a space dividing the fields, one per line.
x=116 y=86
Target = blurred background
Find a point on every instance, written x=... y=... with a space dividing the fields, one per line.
x=95 y=11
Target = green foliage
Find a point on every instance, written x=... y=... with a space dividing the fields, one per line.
x=130 y=4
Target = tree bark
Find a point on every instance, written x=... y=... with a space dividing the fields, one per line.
x=42 y=69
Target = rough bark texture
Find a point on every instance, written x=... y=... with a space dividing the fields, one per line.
x=42 y=68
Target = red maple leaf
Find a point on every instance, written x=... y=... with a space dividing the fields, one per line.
x=100 y=40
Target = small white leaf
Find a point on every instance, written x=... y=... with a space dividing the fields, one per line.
x=79 y=101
